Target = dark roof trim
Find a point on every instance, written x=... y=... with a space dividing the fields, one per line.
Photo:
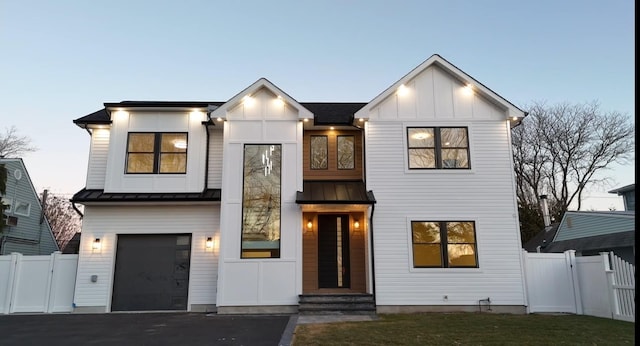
x=100 y=117
x=162 y=104
x=334 y=192
x=624 y=189
x=95 y=195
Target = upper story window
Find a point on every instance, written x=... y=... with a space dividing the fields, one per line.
x=346 y=152
x=319 y=152
x=161 y=152
x=444 y=244
x=261 y=197
x=438 y=147
x=22 y=208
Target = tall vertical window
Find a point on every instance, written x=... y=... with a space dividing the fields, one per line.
x=438 y=147
x=261 y=201
x=319 y=152
x=149 y=152
x=444 y=244
x=346 y=152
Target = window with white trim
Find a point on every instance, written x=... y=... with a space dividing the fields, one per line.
x=438 y=147
x=151 y=153
x=444 y=244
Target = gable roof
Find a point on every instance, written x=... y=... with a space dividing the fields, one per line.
x=437 y=60
x=583 y=224
x=37 y=213
x=261 y=83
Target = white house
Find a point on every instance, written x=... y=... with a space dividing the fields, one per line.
x=263 y=203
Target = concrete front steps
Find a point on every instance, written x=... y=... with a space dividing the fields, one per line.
x=336 y=304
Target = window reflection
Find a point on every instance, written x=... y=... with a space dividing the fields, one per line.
x=261 y=201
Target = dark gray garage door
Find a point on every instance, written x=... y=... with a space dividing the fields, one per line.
x=152 y=272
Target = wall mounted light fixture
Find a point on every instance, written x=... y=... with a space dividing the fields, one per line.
x=97 y=246
x=356 y=224
x=208 y=244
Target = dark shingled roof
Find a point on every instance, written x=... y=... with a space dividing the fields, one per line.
x=325 y=113
x=92 y=195
x=333 y=113
x=604 y=242
x=334 y=192
x=542 y=238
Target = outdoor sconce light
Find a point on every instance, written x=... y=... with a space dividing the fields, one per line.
x=309 y=225
x=209 y=243
x=356 y=224
x=97 y=245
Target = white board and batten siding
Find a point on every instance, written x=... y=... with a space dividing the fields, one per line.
x=484 y=194
x=271 y=281
x=105 y=222
x=123 y=122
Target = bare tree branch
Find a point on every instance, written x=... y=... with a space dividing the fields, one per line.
x=14 y=145
x=63 y=219
x=560 y=149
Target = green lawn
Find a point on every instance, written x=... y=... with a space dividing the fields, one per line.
x=470 y=329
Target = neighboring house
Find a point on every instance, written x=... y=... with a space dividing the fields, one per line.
x=592 y=232
x=251 y=204
x=628 y=194
x=26 y=229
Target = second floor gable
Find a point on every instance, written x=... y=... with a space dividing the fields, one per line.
x=179 y=146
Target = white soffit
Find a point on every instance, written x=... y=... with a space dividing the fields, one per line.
x=221 y=111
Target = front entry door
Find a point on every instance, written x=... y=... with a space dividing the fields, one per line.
x=333 y=251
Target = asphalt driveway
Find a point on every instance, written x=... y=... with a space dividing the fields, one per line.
x=142 y=329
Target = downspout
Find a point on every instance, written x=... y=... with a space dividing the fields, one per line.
x=373 y=257
x=73 y=204
x=206 y=159
x=373 y=209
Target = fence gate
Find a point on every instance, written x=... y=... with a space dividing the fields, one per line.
x=623 y=282
x=551 y=282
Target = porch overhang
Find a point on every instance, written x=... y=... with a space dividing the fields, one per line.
x=89 y=196
x=334 y=195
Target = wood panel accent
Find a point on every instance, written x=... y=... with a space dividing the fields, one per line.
x=332 y=172
x=357 y=253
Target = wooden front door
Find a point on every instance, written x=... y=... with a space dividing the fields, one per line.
x=333 y=251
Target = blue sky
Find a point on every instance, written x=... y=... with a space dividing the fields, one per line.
x=60 y=60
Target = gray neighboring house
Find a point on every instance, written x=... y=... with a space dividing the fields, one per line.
x=26 y=229
x=628 y=194
x=592 y=232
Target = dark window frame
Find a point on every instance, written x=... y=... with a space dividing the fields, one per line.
x=157 y=152
x=275 y=253
x=438 y=148
x=444 y=242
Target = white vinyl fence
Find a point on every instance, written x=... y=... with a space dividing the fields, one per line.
x=602 y=285
x=37 y=284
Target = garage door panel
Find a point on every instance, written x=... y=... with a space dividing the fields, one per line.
x=152 y=272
